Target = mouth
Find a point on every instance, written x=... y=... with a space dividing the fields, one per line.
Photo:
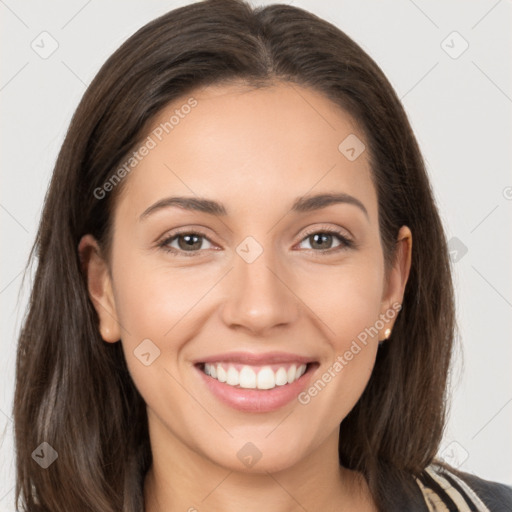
x=255 y=383
x=260 y=377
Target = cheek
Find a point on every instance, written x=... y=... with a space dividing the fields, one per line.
x=152 y=299
x=345 y=298
x=167 y=305
x=157 y=305
x=347 y=304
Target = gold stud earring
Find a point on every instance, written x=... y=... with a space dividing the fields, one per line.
x=387 y=333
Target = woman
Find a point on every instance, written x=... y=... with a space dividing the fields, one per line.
x=243 y=294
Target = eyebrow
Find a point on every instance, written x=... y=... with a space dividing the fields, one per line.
x=300 y=205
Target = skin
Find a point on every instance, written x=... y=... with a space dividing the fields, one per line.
x=255 y=151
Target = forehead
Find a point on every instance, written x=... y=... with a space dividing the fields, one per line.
x=250 y=148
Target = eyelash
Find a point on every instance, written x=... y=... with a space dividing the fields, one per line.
x=345 y=242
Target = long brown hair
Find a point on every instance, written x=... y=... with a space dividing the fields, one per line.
x=74 y=391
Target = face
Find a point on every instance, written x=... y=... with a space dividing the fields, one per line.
x=268 y=285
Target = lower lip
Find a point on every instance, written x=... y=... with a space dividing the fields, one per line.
x=257 y=400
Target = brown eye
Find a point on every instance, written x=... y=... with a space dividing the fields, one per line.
x=321 y=240
x=189 y=242
x=325 y=240
x=186 y=242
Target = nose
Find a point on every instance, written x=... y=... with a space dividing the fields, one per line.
x=259 y=295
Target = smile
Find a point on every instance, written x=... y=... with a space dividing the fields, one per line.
x=256 y=383
x=254 y=377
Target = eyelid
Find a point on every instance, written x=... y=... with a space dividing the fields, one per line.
x=187 y=230
x=322 y=228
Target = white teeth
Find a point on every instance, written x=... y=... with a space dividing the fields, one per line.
x=221 y=374
x=247 y=378
x=266 y=378
x=291 y=373
x=233 y=377
x=281 y=377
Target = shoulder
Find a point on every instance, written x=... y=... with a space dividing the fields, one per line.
x=446 y=489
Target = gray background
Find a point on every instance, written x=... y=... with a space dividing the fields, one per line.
x=459 y=106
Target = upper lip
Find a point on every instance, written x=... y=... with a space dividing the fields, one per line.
x=256 y=359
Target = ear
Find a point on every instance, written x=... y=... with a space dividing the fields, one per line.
x=397 y=279
x=99 y=285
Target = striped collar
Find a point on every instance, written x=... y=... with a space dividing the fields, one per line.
x=443 y=491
